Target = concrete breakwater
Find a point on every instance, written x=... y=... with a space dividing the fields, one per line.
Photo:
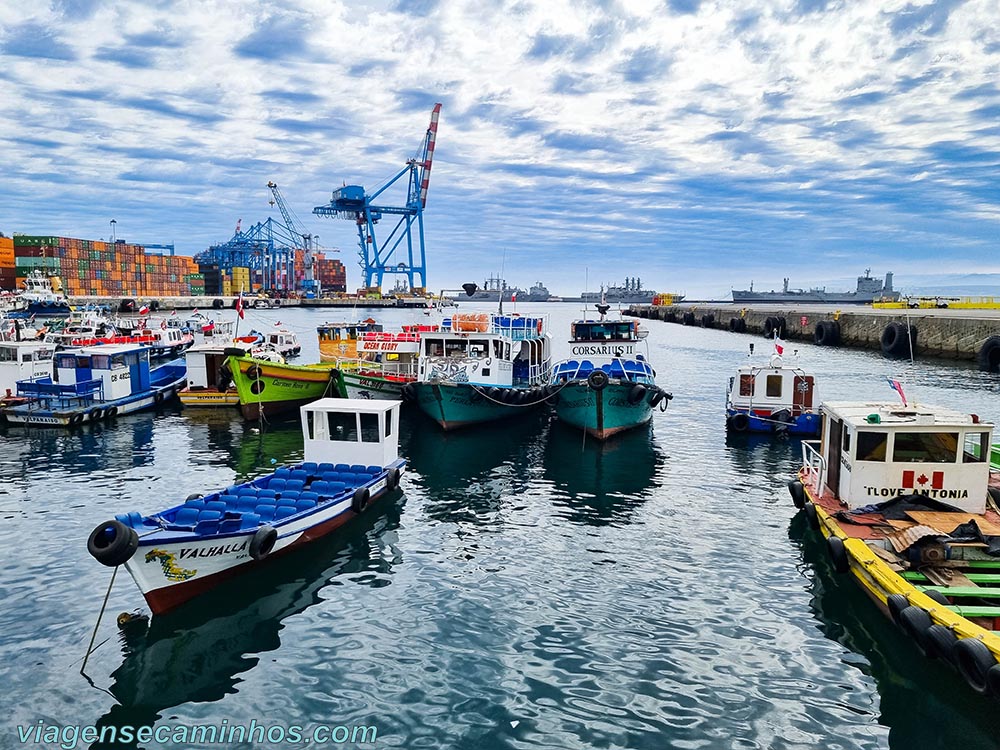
x=952 y=334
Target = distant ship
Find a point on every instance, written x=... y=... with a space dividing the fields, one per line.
x=868 y=290
x=631 y=293
x=492 y=290
x=537 y=293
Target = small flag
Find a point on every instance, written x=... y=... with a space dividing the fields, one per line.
x=163 y=324
x=277 y=322
x=195 y=311
x=173 y=313
x=208 y=327
x=779 y=345
x=239 y=306
x=898 y=388
x=513 y=296
x=144 y=310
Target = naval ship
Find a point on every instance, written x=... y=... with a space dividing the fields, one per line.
x=630 y=293
x=868 y=290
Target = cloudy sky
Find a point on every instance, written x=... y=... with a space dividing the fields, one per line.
x=699 y=145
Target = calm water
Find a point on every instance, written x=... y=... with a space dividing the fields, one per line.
x=528 y=590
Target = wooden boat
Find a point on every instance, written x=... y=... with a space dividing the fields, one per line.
x=209 y=379
x=95 y=383
x=776 y=397
x=271 y=388
x=611 y=387
x=338 y=341
x=907 y=502
x=351 y=451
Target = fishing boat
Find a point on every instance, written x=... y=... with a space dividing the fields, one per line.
x=383 y=361
x=22 y=360
x=82 y=328
x=906 y=500
x=209 y=379
x=203 y=328
x=338 y=341
x=174 y=555
x=95 y=383
x=480 y=367
x=283 y=341
x=268 y=388
x=612 y=387
x=41 y=298
x=775 y=398
x=12 y=302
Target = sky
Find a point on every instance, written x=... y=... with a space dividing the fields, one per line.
x=698 y=145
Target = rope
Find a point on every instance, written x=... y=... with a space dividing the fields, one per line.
x=93 y=637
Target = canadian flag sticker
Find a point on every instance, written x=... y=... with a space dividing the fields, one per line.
x=912 y=481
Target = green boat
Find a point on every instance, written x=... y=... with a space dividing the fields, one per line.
x=270 y=388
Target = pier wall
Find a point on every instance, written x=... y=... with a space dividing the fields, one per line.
x=959 y=334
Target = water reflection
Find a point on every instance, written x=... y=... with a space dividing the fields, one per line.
x=197 y=652
x=923 y=702
x=604 y=482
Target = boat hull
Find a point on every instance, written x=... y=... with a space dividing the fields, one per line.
x=366 y=386
x=602 y=413
x=455 y=405
x=208 y=397
x=744 y=420
x=272 y=388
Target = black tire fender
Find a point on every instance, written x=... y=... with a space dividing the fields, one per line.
x=988 y=357
x=233 y=351
x=811 y=516
x=392 y=480
x=896 y=603
x=993 y=679
x=96 y=415
x=915 y=622
x=897 y=338
x=76 y=419
x=112 y=412
x=158 y=397
x=636 y=393
x=263 y=542
x=940 y=643
x=707 y=321
x=739 y=422
x=734 y=324
x=598 y=380
x=798 y=493
x=657 y=397
x=254 y=372
x=838 y=554
x=974 y=661
x=112 y=543
x=937 y=596
x=360 y=499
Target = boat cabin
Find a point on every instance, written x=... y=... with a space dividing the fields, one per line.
x=351 y=431
x=871 y=452
x=105 y=373
x=765 y=391
x=339 y=341
x=392 y=355
x=23 y=360
x=205 y=360
x=283 y=341
x=482 y=349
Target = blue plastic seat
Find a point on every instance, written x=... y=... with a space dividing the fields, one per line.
x=250 y=521
x=301 y=504
x=323 y=468
x=374 y=470
x=337 y=488
x=282 y=472
x=284 y=511
x=186 y=516
x=349 y=479
x=229 y=500
x=232 y=489
x=266 y=512
x=319 y=487
x=586 y=366
x=133 y=518
x=342 y=468
x=300 y=475
x=309 y=466
x=295 y=485
x=199 y=504
x=207 y=527
x=357 y=469
x=230 y=524
x=276 y=484
x=265 y=495
x=309 y=496
x=246 y=504
x=216 y=505
x=288 y=497
x=245 y=491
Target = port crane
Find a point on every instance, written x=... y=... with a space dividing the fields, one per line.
x=308 y=240
x=351 y=202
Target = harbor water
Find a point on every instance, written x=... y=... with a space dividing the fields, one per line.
x=530 y=588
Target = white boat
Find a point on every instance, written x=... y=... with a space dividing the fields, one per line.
x=209 y=380
x=41 y=298
x=174 y=555
x=283 y=341
x=22 y=360
x=776 y=397
x=12 y=302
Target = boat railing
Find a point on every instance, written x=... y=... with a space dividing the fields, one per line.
x=813 y=464
x=82 y=389
x=628 y=369
x=391 y=370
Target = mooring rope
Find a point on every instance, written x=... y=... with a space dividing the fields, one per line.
x=93 y=636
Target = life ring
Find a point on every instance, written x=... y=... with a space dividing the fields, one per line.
x=76 y=419
x=598 y=380
x=112 y=412
x=827 y=333
x=96 y=415
x=811 y=516
x=974 y=660
x=989 y=355
x=798 y=493
x=898 y=340
x=914 y=621
x=707 y=321
x=392 y=480
x=112 y=543
x=739 y=422
x=263 y=542
x=360 y=499
x=254 y=372
x=636 y=393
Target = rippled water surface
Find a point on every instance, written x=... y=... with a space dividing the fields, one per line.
x=529 y=588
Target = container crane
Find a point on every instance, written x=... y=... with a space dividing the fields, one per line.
x=353 y=203
x=308 y=241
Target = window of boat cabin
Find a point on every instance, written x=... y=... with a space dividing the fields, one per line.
x=388 y=424
x=774 y=386
x=746 y=385
x=872 y=445
x=10 y=355
x=68 y=361
x=369 y=428
x=454 y=348
x=100 y=362
x=434 y=348
x=479 y=349
x=343 y=427
x=925 y=447
x=976 y=447
x=497 y=348
x=846 y=443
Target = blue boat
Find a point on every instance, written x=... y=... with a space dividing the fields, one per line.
x=94 y=383
x=773 y=398
x=189 y=548
x=612 y=387
x=481 y=367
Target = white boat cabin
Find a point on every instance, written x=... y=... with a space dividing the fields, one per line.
x=114 y=371
x=872 y=452
x=772 y=388
x=352 y=431
x=203 y=362
x=23 y=360
x=283 y=341
x=487 y=349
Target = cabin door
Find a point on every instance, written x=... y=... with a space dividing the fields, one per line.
x=802 y=397
x=836 y=439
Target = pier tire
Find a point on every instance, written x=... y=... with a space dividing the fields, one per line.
x=896 y=603
x=838 y=554
x=75 y=419
x=598 y=380
x=974 y=660
x=734 y=323
x=360 y=499
x=154 y=305
x=896 y=340
x=915 y=622
x=636 y=393
x=263 y=542
x=218 y=304
x=938 y=597
x=738 y=422
x=989 y=355
x=742 y=328
x=671 y=317
x=810 y=510
x=827 y=333
x=96 y=415
x=707 y=321
x=688 y=319
x=392 y=480
x=940 y=643
x=126 y=305
x=772 y=325
x=798 y=493
x=254 y=372
x=112 y=543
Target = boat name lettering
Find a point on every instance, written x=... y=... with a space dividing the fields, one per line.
x=379 y=346
x=374 y=385
x=621 y=402
x=227 y=549
x=845 y=463
x=290 y=384
x=610 y=350
x=124 y=375
x=897 y=491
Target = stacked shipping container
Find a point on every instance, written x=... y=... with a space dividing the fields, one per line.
x=8 y=275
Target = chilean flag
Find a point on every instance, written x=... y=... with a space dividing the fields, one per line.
x=239 y=306
x=513 y=296
x=898 y=388
x=779 y=345
x=144 y=310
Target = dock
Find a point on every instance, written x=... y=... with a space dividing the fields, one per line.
x=957 y=334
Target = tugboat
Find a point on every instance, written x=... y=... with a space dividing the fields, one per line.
x=176 y=554
x=612 y=387
x=41 y=298
x=480 y=367
x=773 y=398
x=906 y=500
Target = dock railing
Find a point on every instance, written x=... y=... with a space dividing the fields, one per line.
x=814 y=464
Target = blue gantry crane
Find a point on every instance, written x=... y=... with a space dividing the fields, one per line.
x=268 y=247
x=379 y=258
